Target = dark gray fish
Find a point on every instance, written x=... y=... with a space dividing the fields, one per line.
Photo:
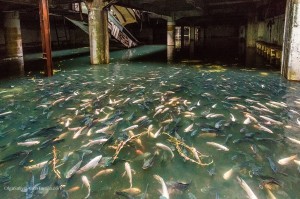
x=125 y=195
x=181 y=186
x=272 y=165
x=4 y=179
x=14 y=156
x=149 y=162
x=44 y=172
x=31 y=188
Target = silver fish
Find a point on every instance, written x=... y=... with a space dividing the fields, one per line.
x=90 y=165
x=73 y=169
x=248 y=190
x=165 y=192
x=87 y=184
x=164 y=147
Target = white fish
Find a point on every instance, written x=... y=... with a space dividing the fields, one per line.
x=247 y=121
x=131 y=128
x=282 y=104
x=263 y=128
x=165 y=110
x=159 y=107
x=248 y=190
x=214 y=115
x=97 y=141
x=140 y=119
x=132 y=191
x=251 y=117
x=270 y=120
x=232 y=118
x=227 y=175
x=165 y=192
x=28 y=143
x=77 y=134
x=103 y=172
x=126 y=100
x=293 y=140
x=285 y=161
x=164 y=147
x=67 y=124
x=189 y=128
x=87 y=184
x=150 y=129
x=137 y=101
x=90 y=165
x=157 y=112
x=102 y=130
x=194 y=150
x=36 y=166
x=219 y=146
x=198 y=103
x=297 y=162
x=157 y=132
x=129 y=174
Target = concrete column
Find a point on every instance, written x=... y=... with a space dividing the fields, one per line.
x=13 y=38
x=182 y=37
x=252 y=28
x=171 y=32
x=13 y=44
x=170 y=53
x=98 y=33
x=290 y=67
x=192 y=33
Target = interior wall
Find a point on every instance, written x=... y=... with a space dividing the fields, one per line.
x=31 y=35
x=270 y=30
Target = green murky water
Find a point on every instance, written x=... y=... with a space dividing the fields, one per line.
x=217 y=100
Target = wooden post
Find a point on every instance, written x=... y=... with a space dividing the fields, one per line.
x=46 y=37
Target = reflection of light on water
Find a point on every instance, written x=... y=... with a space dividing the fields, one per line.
x=31 y=102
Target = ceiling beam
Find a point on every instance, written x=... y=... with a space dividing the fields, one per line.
x=222 y=3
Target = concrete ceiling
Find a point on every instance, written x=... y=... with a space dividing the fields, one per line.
x=199 y=7
x=178 y=8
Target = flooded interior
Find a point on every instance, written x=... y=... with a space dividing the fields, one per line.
x=224 y=118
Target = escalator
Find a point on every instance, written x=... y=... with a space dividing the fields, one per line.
x=118 y=17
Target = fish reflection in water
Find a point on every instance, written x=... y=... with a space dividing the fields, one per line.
x=188 y=133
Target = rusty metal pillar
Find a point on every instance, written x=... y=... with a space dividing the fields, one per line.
x=290 y=64
x=46 y=37
x=98 y=32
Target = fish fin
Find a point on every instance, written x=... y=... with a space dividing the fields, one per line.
x=124 y=174
x=133 y=171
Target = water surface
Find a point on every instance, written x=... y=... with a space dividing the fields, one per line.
x=200 y=92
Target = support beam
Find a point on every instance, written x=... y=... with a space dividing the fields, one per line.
x=192 y=33
x=13 y=42
x=98 y=32
x=182 y=36
x=46 y=37
x=290 y=67
x=171 y=32
x=13 y=38
x=251 y=36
